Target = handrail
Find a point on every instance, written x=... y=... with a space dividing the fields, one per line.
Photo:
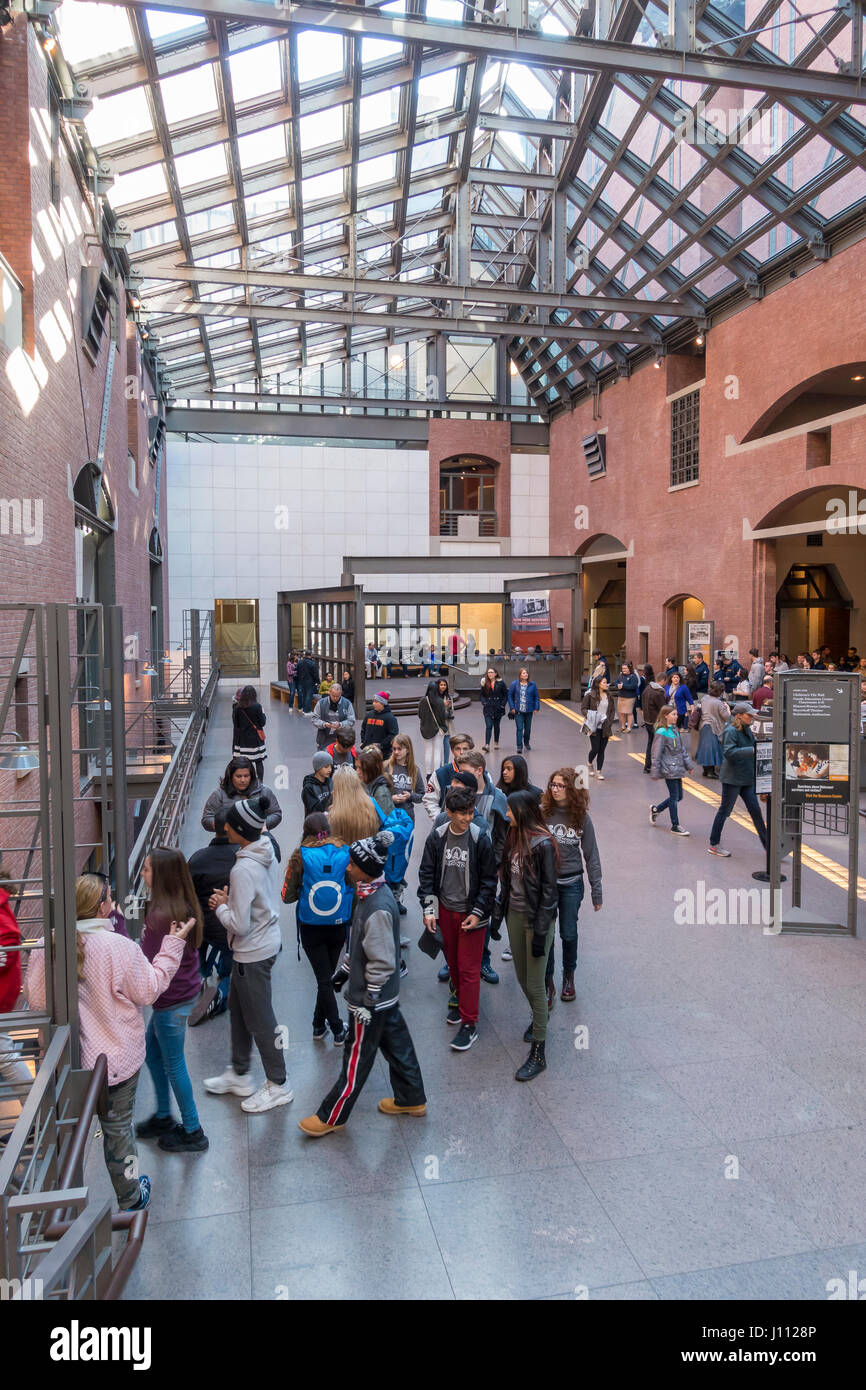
x=73 y=1162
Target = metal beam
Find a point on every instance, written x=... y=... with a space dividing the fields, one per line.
x=506 y=43
x=459 y=564
x=408 y=431
x=308 y=401
x=533 y=129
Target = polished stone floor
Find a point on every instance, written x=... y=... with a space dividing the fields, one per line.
x=700 y=1132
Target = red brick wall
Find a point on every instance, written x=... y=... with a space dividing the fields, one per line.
x=488 y=438
x=691 y=541
x=15 y=165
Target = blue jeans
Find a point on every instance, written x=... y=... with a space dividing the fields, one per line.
x=570 y=898
x=492 y=723
x=729 y=800
x=524 y=727
x=222 y=958
x=166 y=1033
x=305 y=698
x=675 y=795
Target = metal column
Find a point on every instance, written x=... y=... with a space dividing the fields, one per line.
x=62 y=820
x=116 y=812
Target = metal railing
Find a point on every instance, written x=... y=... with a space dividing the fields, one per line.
x=449 y=524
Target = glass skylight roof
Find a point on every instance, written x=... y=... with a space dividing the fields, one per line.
x=259 y=131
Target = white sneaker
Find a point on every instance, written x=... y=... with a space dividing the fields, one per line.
x=269 y=1096
x=506 y=954
x=229 y=1084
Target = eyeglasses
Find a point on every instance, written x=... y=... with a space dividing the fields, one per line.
x=558 y=786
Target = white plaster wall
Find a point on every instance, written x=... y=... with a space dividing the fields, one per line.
x=227 y=539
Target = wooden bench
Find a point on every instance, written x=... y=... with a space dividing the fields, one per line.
x=280 y=691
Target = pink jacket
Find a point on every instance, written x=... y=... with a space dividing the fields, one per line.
x=118 y=980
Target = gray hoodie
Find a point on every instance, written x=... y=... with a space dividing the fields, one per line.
x=251 y=915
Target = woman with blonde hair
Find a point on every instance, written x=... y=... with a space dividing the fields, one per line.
x=351 y=814
x=115 y=979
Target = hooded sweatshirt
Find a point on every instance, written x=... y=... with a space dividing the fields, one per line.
x=10 y=961
x=251 y=915
x=221 y=800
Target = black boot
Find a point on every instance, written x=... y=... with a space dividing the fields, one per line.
x=527 y=1036
x=533 y=1065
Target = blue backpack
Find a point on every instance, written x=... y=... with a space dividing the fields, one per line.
x=326 y=898
x=402 y=827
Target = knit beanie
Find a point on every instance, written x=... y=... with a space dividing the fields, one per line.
x=370 y=854
x=322 y=759
x=248 y=818
x=464 y=779
x=383 y=696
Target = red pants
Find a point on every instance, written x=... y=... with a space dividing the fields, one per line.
x=463 y=952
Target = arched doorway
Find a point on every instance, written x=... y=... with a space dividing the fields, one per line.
x=678 y=612
x=603 y=585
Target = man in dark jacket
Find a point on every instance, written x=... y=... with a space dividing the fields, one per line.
x=318 y=786
x=457 y=887
x=380 y=726
x=331 y=713
x=702 y=673
x=370 y=969
x=210 y=869
x=651 y=701
x=440 y=780
x=308 y=678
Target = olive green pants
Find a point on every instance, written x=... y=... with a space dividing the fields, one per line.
x=530 y=969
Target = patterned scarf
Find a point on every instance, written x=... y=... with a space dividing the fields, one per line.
x=363 y=890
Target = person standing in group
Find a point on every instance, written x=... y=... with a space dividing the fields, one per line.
x=307 y=677
x=172 y=898
x=702 y=672
x=652 y=699
x=370 y=970
x=435 y=713
x=240 y=780
x=342 y=751
x=491 y=804
x=737 y=776
x=380 y=789
x=671 y=762
x=291 y=673
x=523 y=701
x=13 y=1069
x=457 y=887
x=347 y=682
x=764 y=693
x=248 y=908
x=406 y=778
x=316 y=881
x=440 y=780
x=679 y=695
x=380 y=725
x=565 y=808
x=756 y=669
x=317 y=788
x=248 y=723
x=352 y=815
x=528 y=901
x=494 y=701
x=514 y=777
x=626 y=687
x=115 y=981
x=376 y=781
x=209 y=868
x=332 y=712
x=714 y=716
x=599 y=660
x=597 y=706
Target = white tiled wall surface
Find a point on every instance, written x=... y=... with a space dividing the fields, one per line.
x=229 y=537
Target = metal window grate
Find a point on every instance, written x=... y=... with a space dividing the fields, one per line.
x=685 y=438
x=595 y=453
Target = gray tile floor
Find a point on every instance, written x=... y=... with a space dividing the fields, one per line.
x=707 y=1141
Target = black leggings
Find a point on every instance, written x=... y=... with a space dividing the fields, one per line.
x=323 y=947
x=597 y=745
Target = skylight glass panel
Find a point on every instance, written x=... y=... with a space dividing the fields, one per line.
x=267 y=204
x=90 y=31
x=119 y=117
x=323 y=128
x=158 y=235
x=321 y=186
x=163 y=25
x=378 y=111
x=530 y=90
x=445 y=9
x=378 y=51
x=139 y=186
x=319 y=55
x=256 y=71
x=380 y=216
x=189 y=94
x=212 y=219
x=431 y=155
x=436 y=92
x=202 y=166
x=262 y=147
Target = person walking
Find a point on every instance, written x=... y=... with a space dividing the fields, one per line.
x=115 y=981
x=380 y=725
x=209 y=868
x=240 y=780
x=491 y=804
x=671 y=762
x=317 y=789
x=456 y=888
x=494 y=702
x=714 y=716
x=652 y=699
x=248 y=724
x=737 y=776
x=626 y=688
x=523 y=701
x=333 y=711
x=370 y=971
x=307 y=677
x=291 y=674
x=597 y=706
x=679 y=695
x=528 y=902
x=435 y=713
x=248 y=908
x=172 y=898
x=565 y=808
x=316 y=881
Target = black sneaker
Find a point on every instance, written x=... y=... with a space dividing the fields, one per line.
x=465 y=1038
x=154 y=1127
x=182 y=1141
x=678 y=830
x=444 y=973
x=144 y=1194
x=319 y=1033
x=217 y=1006
x=453 y=1016
x=489 y=974
x=402 y=909
x=404 y=970
x=341 y=1035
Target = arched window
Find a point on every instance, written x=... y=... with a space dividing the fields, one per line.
x=467 y=497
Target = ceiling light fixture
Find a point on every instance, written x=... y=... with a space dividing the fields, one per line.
x=700 y=340
x=860 y=377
